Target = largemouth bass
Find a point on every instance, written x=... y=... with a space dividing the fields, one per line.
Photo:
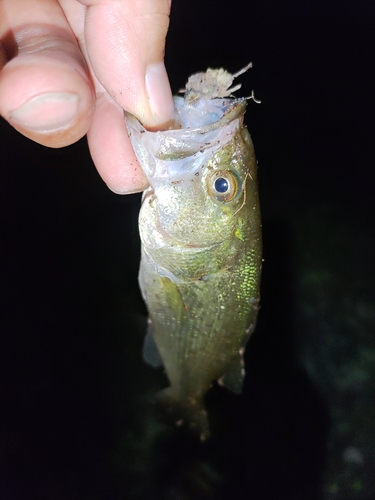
x=201 y=256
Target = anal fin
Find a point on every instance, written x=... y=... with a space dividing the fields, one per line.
x=233 y=378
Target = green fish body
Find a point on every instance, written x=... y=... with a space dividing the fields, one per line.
x=201 y=256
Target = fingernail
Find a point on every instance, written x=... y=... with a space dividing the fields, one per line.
x=159 y=92
x=125 y=191
x=47 y=112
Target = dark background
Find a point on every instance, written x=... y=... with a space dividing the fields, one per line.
x=75 y=416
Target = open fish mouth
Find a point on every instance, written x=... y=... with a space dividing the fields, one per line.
x=176 y=155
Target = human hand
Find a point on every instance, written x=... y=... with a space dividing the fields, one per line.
x=70 y=67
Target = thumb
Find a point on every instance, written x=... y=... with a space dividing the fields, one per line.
x=125 y=43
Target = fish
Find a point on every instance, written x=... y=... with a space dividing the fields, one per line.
x=201 y=244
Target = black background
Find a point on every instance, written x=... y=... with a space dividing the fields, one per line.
x=75 y=420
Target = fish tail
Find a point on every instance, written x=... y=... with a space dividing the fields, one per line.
x=185 y=411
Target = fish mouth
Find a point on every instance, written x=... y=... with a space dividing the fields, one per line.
x=175 y=155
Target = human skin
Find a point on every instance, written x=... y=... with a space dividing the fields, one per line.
x=71 y=67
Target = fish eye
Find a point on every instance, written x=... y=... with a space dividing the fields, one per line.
x=223 y=185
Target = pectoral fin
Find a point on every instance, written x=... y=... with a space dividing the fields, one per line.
x=174 y=298
x=233 y=378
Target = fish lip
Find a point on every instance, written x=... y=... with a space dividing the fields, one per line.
x=195 y=248
x=147 y=193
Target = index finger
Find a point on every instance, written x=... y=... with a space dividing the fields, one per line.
x=125 y=42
